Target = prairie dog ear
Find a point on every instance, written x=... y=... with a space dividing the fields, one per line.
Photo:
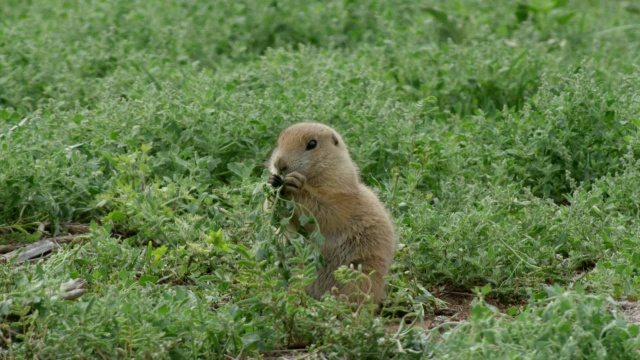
x=335 y=139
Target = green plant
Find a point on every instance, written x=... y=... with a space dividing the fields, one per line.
x=503 y=138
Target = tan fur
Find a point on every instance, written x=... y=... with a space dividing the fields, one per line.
x=355 y=224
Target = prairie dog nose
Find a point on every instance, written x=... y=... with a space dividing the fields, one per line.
x=280 y=165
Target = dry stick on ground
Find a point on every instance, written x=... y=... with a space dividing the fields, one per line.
x=7 y=248
x=76 y=228
x=37 y=248
x=72 y=228
x=68 y=291
x=71 y=290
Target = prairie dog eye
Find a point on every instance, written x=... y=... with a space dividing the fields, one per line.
x=312 y=145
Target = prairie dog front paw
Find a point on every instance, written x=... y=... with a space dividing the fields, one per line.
x=294 y=181
x=275 y=180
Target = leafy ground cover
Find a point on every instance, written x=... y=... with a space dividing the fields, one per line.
x=502 y=136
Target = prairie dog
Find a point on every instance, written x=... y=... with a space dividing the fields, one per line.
x=313 y=163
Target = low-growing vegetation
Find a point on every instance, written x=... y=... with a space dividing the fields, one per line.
x=503 y=137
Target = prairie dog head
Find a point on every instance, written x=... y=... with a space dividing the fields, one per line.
x=314 y=150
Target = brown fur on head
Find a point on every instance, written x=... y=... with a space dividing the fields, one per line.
x=313 y=150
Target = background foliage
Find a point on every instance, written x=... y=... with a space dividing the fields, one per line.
x=503 y=137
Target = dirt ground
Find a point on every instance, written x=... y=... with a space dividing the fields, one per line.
x=631 y=311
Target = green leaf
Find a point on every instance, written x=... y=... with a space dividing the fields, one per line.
x=158 y=253
x=144 y=279
x=486 y=289
x=115 y=215
x=163 y=310
x=243 y=171
x=304 y=220
x=250 y=338
x=438 y=15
